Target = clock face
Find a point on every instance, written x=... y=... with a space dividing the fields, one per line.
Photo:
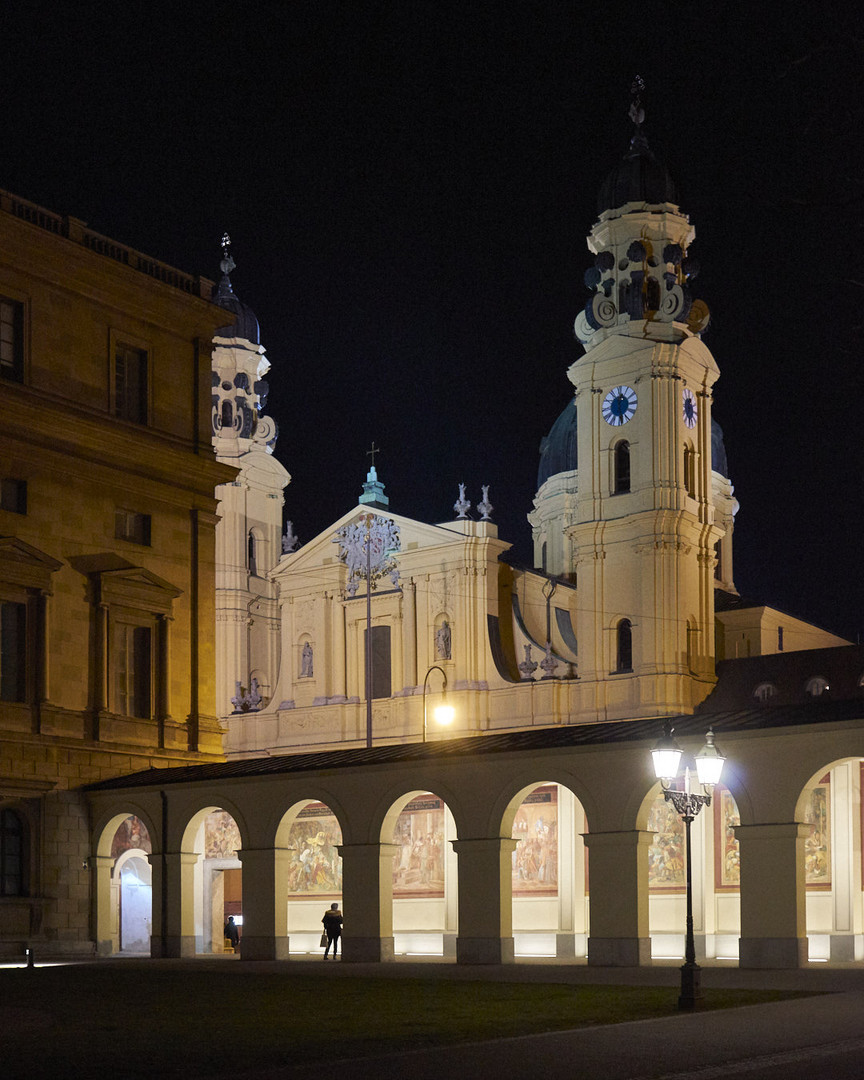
x=619 y=405
x=691 y=410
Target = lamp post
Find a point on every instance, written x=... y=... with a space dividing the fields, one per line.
x=709 y=764
x=444 y=712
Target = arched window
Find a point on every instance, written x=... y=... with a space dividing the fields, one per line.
x=621 y=479
x=624 y=646
x=690 y=471
x=251 y=554
x=764 y=692
x=12 y=855
x=817 y=686
x=227 y=415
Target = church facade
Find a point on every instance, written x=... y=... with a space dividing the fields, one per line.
x=532 y=824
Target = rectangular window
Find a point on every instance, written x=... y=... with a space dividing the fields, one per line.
x=380 y=660
x=132 y=527
x=130 y=383
x=11 y=340
x=12 y=881
x=779 y=639
x=13 y=495
x=133 y=671
x=13 y=651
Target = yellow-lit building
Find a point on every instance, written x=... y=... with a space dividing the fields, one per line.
x=107 y=548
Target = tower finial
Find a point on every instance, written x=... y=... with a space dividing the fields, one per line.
x=637 y=113
x=227 y=264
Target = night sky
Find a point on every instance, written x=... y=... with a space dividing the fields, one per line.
x=408 y=187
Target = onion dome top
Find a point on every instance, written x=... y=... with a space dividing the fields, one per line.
x=558 y=448
x=641 y=176
x=718 y=450
x=245 y=324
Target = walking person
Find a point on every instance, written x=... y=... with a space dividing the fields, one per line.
x=332 y=928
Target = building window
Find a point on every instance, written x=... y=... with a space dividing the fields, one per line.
x=227 y=415
x=718 y=560
x=817 y=686
x=13 y=651
x=132 y=527
x=764 y=692
x=380 y=660
x=133 y=670
x=624 y=646
x=13 y=495
x=621 y=479
x=11 y=340
x=690 y=471
x=779 y=639
x=251 y=558
x=12 y=855
x=130 y=383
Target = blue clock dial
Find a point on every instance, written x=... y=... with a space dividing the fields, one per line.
x=690 y=409
x=619 y=405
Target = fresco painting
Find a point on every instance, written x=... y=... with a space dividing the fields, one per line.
x=418 y=866
x=221 y=836
x=535 y=860
x=666 y=853
x=314 y=866
x=131 y=833
x=727 y=848
x=817 y=846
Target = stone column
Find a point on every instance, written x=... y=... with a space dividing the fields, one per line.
x=100 y=891
x=618 y=870
x=173 y=904
x=265 y=903
x=773 y=899
x=367 y=901
x=485 y=900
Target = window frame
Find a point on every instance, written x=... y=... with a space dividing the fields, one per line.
x=142 y=413
x=14 y=372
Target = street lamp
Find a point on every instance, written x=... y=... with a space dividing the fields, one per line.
x=444 y=712
x=709 y=764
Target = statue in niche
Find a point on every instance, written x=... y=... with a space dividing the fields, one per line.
x=442 y=641
x=306 y=661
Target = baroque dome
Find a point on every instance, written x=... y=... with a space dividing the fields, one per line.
x=558 y=451
x=639 y=177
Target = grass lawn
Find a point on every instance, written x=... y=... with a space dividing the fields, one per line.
x=128 y=1020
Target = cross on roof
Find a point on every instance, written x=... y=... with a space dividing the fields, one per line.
x=371 y=453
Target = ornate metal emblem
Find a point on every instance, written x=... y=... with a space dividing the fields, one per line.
x=366 y=547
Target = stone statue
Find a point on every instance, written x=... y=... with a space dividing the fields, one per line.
x=442 y=641
x=528 y=666
x=485 y=507
x=549 y=664
x=462 y=506
x=306 y=661
x=246 y=700
x=289 y=538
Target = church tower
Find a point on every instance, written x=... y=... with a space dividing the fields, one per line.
x=249 y=533
x=626 y=506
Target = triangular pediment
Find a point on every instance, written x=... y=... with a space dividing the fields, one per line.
x=138 y=588
x=24 y=565
x=414 y=536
